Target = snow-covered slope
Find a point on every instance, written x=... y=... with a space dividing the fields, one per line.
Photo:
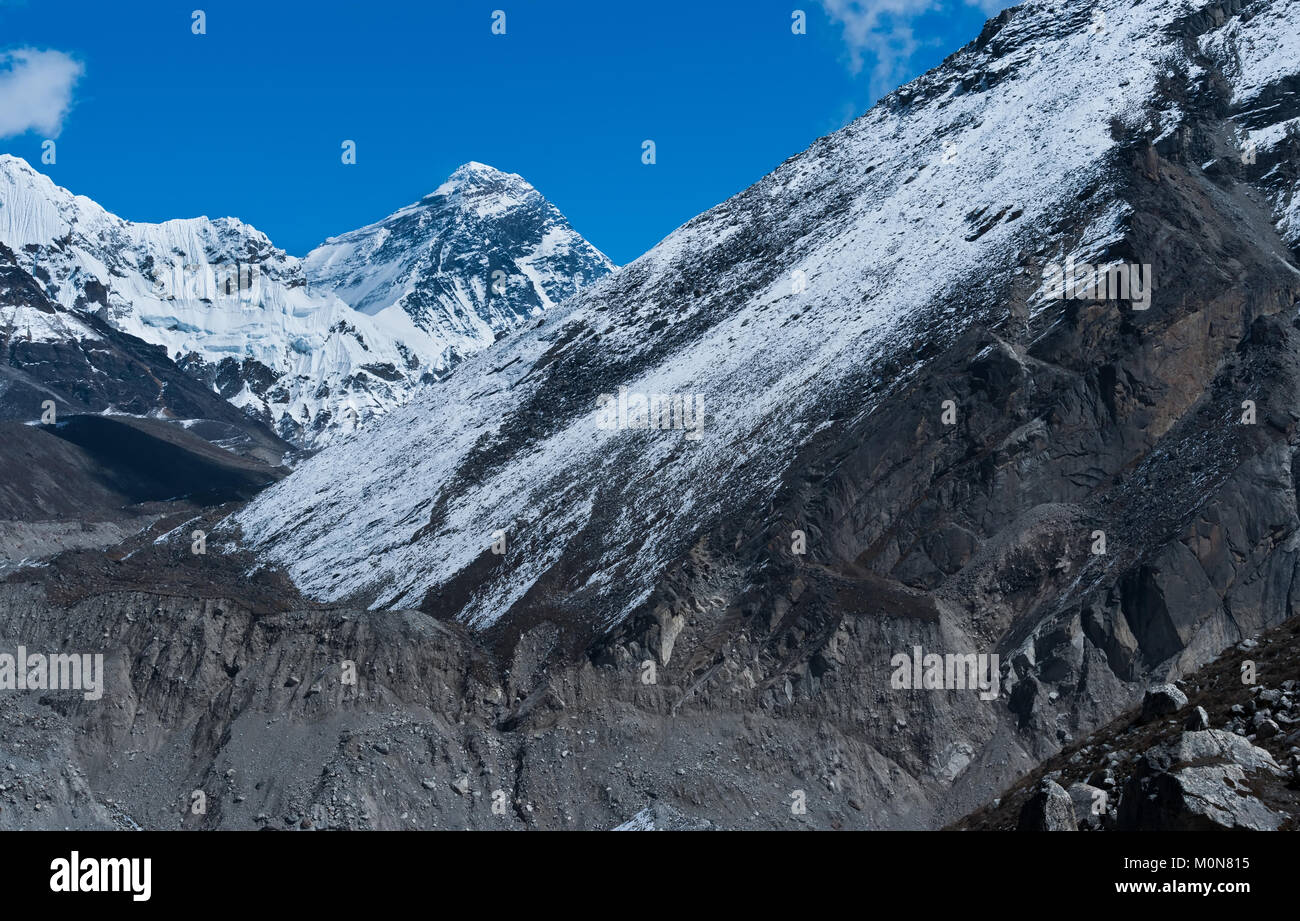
x=1260 y=54
x=475 y=257
x=240 y=314
x=795 y=306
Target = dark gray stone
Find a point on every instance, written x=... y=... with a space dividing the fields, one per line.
x=1162 y=700
x=1049 y=809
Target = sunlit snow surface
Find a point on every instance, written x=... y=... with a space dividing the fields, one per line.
x=1261 y=56
x=874 y=216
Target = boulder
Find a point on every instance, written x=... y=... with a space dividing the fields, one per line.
x=1048 y=809
x=1087 y=800
x=1162 y=700
x=1198 y=782
x=1203 y=798
x=1210 y=745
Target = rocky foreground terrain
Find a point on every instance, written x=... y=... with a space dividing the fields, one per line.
x=1217 y=750
x=491 y=610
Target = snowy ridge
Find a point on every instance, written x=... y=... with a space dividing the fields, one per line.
x=1263 y=49
x=795 y=297
x=1260 y=54
x=230 y=307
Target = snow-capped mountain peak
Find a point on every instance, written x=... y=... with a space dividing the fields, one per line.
x=478 y=175
x=477 y=256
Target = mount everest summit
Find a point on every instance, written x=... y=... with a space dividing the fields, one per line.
x=481 y=254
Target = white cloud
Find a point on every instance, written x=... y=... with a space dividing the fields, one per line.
x=882 y=31
x=36 y=91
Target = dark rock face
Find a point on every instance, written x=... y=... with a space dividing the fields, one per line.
x=1144 y=775
x=145 y=461
x=88 y=468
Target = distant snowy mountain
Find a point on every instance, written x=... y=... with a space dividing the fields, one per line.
x=474 y=258
x=78 y=364
x=240 y=314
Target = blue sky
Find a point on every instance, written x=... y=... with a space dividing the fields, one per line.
x=155 y=122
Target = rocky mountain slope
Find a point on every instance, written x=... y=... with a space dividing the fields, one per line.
x=826 y=317
x=519 y=602
x=241 y=316
x=1224 y=755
